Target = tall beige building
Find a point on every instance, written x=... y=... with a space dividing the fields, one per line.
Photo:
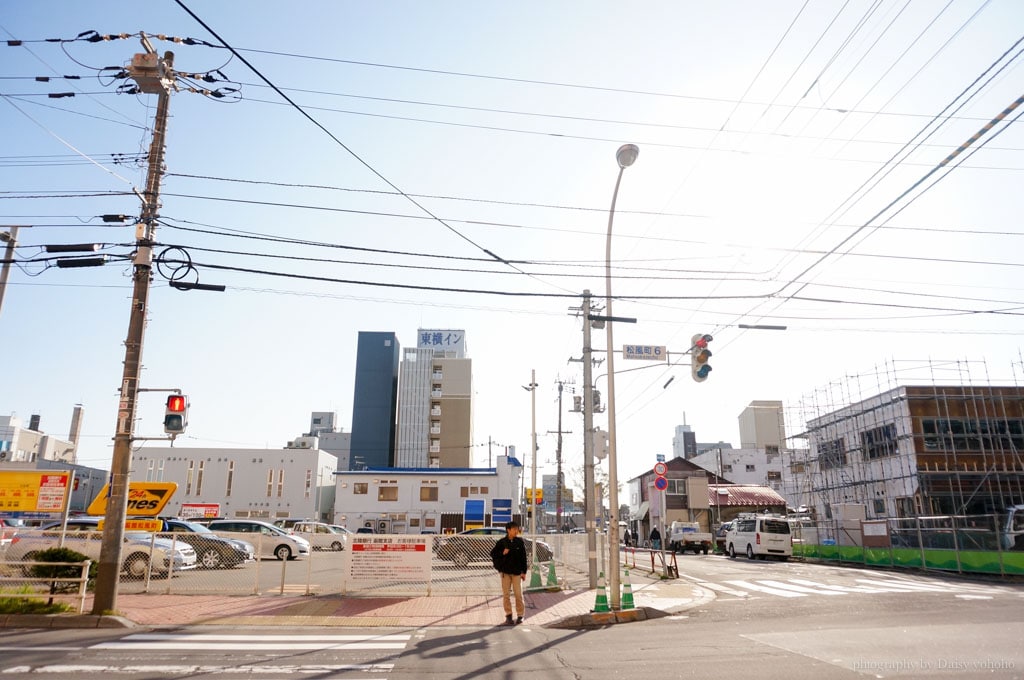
x=435 y=402
x=762 y=425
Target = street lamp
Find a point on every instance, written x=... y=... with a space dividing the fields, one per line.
x=626 y=156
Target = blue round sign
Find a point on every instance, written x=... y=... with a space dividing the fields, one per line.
x=660 y=483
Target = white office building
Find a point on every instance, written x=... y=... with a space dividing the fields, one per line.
x=265 y=484
x=424 y=500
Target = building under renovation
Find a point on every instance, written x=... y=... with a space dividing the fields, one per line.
x=912 y=449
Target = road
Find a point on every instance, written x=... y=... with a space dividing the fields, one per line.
x=770 y=620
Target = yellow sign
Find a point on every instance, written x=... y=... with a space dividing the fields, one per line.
x=151 y=525
x=34 y=491
x=144 y=498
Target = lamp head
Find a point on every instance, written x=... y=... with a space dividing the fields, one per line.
x=626 y=155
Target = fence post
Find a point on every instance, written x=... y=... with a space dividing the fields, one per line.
x=999 y=544
x=920 y=543
x=83 y=586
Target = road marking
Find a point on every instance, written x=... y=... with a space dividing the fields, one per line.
x=717 y=586
x=798 y=588
x=765 y=589
x=213 y=641
x=963 y=596
x=166 y=670
x=845 y=589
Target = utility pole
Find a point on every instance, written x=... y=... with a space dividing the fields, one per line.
x=590 y=498
x=533 y=478
x=12 y=240
x=558 y=459
x=153 y=76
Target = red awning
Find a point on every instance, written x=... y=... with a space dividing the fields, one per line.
x=743 y=495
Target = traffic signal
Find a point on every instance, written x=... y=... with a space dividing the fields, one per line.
x=699 y=355
x=176 y=414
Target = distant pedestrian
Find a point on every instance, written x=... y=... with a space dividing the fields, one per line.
x=626 y=538
x=509 y=557
x=655 y=539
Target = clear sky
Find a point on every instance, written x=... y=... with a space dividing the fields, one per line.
x=780 y=144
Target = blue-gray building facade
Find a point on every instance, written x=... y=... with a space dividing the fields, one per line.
x=375 y=402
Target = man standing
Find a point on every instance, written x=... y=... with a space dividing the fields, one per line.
x=509 y=557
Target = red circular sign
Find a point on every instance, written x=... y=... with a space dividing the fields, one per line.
x=660 y=469
x=660 y=483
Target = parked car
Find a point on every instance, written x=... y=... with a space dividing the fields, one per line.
x=270 y=541
x=212 y=551
x=321 y=536
x=141 y=552
x=474 y=545
x=720 y=533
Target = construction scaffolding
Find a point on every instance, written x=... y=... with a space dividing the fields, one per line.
x=910 y=439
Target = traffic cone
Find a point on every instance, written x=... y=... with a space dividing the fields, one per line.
x=627 y=593
x=535 y=577
x=552 y=577
x=601 y=603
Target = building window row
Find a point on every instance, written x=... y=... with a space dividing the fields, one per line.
x=879 y=442
x=973 y=434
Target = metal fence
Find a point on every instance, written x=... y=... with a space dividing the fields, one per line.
x=961 y=543
x=463 y=567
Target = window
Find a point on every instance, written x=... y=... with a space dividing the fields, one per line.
x=831 y=454
x=149 y=470
x=414 y=522
x=879 y=442
x=387 y=493
x=309 y=484
x=428 y=493
x=771 y=450
x=270 y=483
x=429 y=522
x=796 y=468
x=199 y=478
x=750 y=468
x=879 y=504
x=905 y=507
x=360 y=488
x=774 y=476
x=464 y=492
x=160 y=471
x=484 y=490
x=188 y=477
x=726 y=468
x=280 y=483
x=231 y=477
x=316 y=421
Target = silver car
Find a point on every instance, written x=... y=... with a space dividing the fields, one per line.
x=141 y=553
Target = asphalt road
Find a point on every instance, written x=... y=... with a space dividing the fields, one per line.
x=874 y=624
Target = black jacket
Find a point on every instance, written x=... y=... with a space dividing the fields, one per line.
x=515 y=561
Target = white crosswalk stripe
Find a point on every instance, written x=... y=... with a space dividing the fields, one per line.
x=882 y=583
x=169 y=641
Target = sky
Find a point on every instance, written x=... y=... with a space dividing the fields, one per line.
x=451 y=165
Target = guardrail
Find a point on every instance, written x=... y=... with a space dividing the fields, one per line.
x=22 y=567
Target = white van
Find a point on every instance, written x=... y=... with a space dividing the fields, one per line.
x=760 y=536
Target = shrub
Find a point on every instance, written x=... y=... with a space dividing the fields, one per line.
x=49 y=571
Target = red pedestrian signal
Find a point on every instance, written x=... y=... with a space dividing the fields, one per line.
x=176 y=415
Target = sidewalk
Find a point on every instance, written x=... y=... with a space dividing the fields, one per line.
x=653 y=598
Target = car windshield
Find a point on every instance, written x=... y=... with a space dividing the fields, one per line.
x=197 y=528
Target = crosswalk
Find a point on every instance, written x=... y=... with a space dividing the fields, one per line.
x=870 y=585
x=164 y=652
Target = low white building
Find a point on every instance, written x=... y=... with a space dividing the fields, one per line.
x=761 y=467
x=26 y=444
x=265 y=484
x=430 y=500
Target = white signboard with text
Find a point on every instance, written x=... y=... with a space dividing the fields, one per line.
x=442 y=341
x=386 y=559
x=645 y=352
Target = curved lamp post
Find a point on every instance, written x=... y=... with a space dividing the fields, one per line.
x=626 y=156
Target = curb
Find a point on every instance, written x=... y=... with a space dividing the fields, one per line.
x=64 y=621
x=602 y=619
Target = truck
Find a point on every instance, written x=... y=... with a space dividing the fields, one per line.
x=685 y=536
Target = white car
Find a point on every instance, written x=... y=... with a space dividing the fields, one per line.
x=321 y=536
x=270 y=541
x=141 y=552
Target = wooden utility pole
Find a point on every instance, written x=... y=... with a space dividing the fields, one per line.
x=153 y=76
